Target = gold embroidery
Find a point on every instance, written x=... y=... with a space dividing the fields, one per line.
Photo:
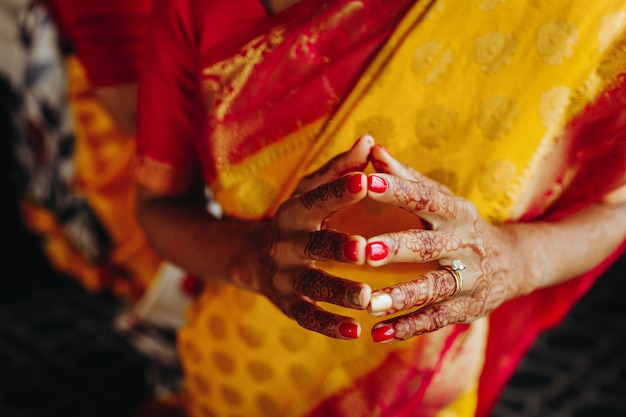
x=268 y=405
x=227 y=78
x=431 y=61
x=496 y=116
x=493 y=50
x=435 y=126
x=556 y=41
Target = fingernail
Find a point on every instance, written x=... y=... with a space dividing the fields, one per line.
x=380 y=302
x=376 y=184
x=377 y=251
x=359 y=297
x=349 y=330
x=354 y=184
x=350 y=250
x=383 y=333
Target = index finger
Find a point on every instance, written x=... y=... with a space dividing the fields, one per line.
x=423 y=200
x=311 y=208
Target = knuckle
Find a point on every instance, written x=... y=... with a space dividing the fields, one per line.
x=325 y=244
x=438 y=317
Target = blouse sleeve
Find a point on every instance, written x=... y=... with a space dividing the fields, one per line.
x=169 y=104
x=107 y=36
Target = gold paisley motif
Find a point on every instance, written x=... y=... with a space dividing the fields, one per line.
x=198 y=384
x=217 y=328
x=434 y=126
x=224 y=362
x=231 y=395
x=430 y=62
x=348 y=23
x=496 y=116
x=493 y=50
x=294 y=339
x=260 y=371
x=225 y=79
x=301 y=376
x=495 y=179
x=556 y=41
x=268 y=405
x=250 y=335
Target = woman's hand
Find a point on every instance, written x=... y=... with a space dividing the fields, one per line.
x=456 y=232
x=296 y=238
x=275 y=257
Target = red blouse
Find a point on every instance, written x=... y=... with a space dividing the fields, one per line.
x=107 y=36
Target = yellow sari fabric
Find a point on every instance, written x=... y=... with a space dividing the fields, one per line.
x=475 y=96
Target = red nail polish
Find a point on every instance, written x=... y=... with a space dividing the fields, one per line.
x=354 y=184
x=383 y=333
x=377 y=251
x=350 y=250
x=376 y=184
x=350 y=330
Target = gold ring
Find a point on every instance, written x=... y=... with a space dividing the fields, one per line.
x=456 y=267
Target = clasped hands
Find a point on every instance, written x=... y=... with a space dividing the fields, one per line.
x=454 y=230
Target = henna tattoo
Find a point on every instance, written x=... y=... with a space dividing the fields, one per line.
x=425 y=290
x=312 y=318
x=426 y=244
x=326 y=244
x=267 y=262
x=420 y=197
x=320 y=287
x=324 y=192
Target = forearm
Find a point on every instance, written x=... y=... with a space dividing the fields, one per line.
x=551 y=253
x=182 y=231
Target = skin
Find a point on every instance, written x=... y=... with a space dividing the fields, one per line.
x=503 y=261
x=120 y=101
x=274 y=257
x=277 y=257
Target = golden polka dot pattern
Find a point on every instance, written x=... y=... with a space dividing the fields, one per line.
x=260 y=370
x=251 y=335
x=434 y=126
x=493 y=51
x=496 y=116
x=556 y=41
x=430 y=62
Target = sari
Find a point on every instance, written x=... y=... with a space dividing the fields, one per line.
x=495 y=100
